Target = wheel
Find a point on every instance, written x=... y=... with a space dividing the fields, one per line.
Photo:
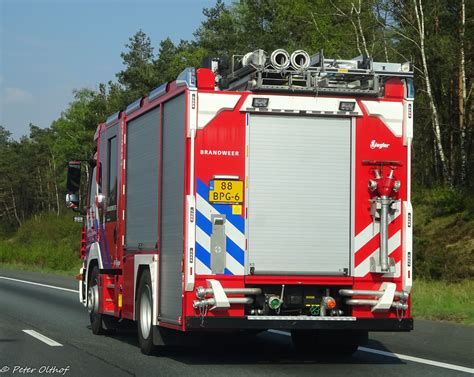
x=93 y=297
x=144 y=305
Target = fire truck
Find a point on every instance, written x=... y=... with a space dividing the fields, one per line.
x=271 y=191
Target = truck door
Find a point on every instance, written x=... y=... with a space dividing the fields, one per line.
x=109 y=159
x=299 y=195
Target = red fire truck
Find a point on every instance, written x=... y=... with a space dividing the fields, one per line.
x=269 y=193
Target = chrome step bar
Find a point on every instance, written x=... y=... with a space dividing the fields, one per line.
x=231 y=300
x=219 y=296
x=354 y=292
x=356 y=301
x=201 y=292
x=387 y=297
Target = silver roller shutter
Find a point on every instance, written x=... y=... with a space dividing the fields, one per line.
x=299 y=202
x=141 y=193
x=172 y=209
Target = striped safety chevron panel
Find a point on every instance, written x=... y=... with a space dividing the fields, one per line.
x=234 y=230
x=363 y=252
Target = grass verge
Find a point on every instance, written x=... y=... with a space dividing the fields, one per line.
x=440 y=300
x=73 y=271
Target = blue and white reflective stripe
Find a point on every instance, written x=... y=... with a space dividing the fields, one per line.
x=201 y=268
x=234 y=229
x=203 y=223
x=232 y=248
x=231 y=231
x=203 y=247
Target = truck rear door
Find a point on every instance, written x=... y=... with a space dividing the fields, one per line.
x=299 y=195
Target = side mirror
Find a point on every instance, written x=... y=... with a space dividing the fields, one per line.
x=73 y=184
x=72 y=201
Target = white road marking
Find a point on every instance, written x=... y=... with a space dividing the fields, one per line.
x=44 y=339
x=279 y=332
x=41 y=285
x=402 y=357
x=418 y=360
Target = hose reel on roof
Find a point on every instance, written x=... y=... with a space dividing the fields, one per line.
x=280 y=59
x=300 y=60
x=302 y=72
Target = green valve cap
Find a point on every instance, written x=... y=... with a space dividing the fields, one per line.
x=274 y=302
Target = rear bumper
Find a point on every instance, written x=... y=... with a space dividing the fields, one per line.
x=264 y=323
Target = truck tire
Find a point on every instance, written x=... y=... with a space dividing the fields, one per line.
x=144 y=311
x=93 y=298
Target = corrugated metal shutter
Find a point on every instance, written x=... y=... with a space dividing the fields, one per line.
x=172 y=209
x=299 y=195
x=141 y=194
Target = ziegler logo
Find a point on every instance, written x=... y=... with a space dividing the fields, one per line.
x=375 y=145
x=218 y=152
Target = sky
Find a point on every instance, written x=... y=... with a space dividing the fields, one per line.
x=48 y=48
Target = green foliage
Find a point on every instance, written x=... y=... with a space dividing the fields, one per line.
x=45 y=241
x=4 y=136
x=171 y=59
x=139 y=74
x=443 y=234
x=7 y=229
x=443 y=301
x=443 y=200
x=270 y=24
x=76 y=126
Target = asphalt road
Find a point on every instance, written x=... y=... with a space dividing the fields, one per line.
x=432 y=349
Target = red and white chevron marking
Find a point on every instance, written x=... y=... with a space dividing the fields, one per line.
x=366 y=246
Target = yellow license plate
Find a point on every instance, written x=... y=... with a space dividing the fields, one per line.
x=226 y=191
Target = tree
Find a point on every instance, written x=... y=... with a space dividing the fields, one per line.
x=462 y=92
x=4 y=136
x=218 y=33
x=139 y=74
x=7 y=201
